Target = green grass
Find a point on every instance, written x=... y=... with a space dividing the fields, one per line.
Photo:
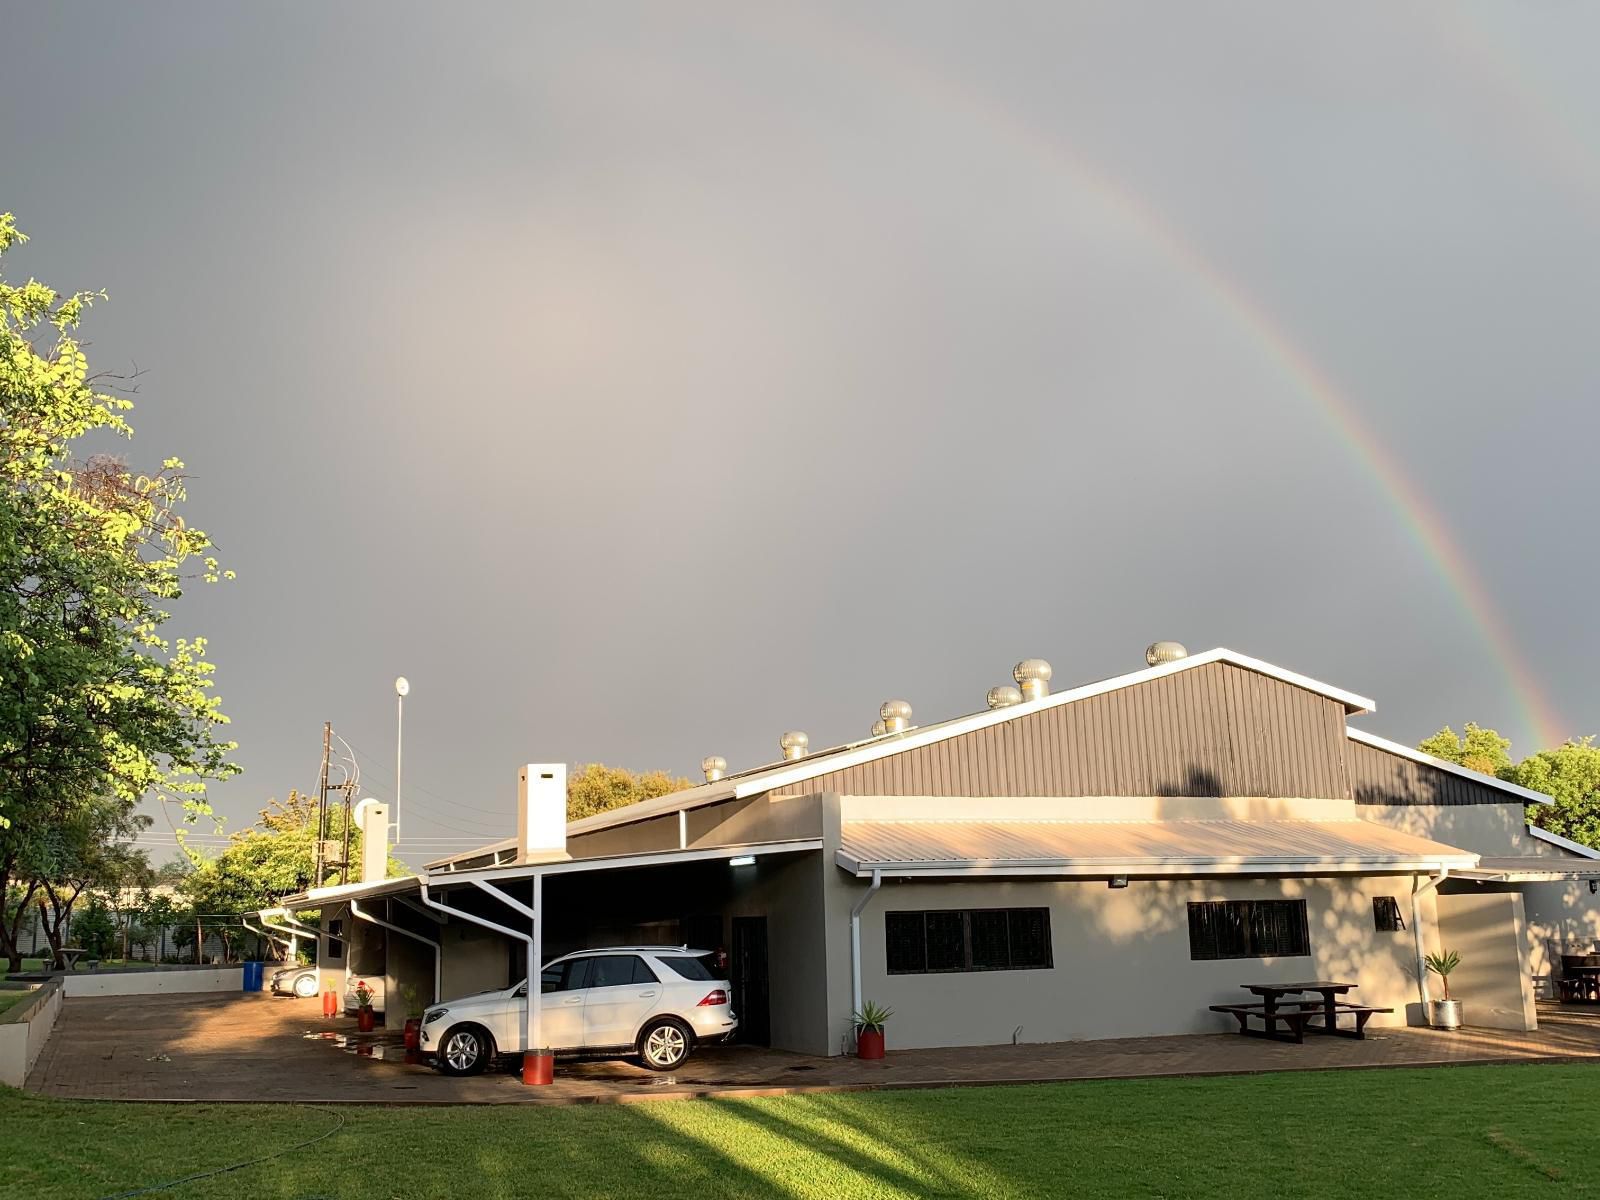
x=9 y=997
x=1448 y=1132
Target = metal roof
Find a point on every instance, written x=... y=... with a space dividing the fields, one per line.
x=1526 y=795
x=1100 y=848
x=1531 y=868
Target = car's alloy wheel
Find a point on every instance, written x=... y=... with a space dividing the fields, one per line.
x=463 y=1052
x=305 y=987
x=664 y=1046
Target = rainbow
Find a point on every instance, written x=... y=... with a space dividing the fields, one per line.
x=1423 y=523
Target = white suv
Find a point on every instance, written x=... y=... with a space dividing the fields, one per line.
x=655 y=1002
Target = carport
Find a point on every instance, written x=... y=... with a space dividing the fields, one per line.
x=452 y=932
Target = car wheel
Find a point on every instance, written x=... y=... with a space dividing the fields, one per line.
x=464 y=1050
x=305 y=987
x=664 y=1044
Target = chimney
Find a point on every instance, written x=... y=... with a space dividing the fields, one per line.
x=1158 y=653
x=896 y=715
x=1004 y=697
x=715 y=767
x=542 y=811
x=794 y=744
x=1033 y=677
x=372 y=818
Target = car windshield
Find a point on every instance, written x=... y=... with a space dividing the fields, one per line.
x=689 y=968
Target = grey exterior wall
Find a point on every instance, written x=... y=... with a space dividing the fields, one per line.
x=1494 y=982
x=788 y=892
x=1497 y=830
x=1217 y=730
x=1121 y=959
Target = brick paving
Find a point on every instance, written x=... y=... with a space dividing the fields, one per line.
x=261 y=1048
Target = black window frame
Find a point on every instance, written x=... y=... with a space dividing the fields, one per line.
x=941 y=941
x=1386 y=915
x=1231 y=929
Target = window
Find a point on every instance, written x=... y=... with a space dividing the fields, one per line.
x=977 y=939
x=619 y=970
x=1386 y=916
x=335 y=949
x=569 y=975
x=689 y=968
x=1248 y=929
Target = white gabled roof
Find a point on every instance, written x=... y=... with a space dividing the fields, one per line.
x=783 y=774
x=1526 y=795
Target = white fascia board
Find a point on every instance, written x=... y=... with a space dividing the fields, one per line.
x=1099 y=868
x=343 y=891
x=1526 y=795
x=804 y=769
x=571 y=866
x=1555 y=839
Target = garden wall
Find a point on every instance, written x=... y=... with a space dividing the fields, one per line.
x=24 y=1029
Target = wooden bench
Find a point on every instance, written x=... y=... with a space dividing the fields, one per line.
x=1297 y=1017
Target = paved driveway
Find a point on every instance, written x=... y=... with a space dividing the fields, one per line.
x=258 y=1048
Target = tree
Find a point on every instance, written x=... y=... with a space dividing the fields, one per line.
x=94 y=930
x=597 y=788
x=1477 y=749
x=272 y=859
x=96 y=704
x=1570 y=776
x=92 y=851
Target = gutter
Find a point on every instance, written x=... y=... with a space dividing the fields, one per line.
x=532 y=1017
x=855 y=941
x=357 y=911
x=262 y=933
x=294 y=929
x=1418 y=891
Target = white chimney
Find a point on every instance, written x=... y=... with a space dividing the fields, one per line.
x=372 y=818
x=542 y=811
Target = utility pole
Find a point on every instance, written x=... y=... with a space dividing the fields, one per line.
x=401 y=687
x=322 y=804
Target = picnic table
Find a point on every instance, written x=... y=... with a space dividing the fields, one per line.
x=1580 y=978
x=67 y=957
x=1287 y=1004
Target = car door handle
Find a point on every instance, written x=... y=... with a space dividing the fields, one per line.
x=646 y=995
x=574 y=1000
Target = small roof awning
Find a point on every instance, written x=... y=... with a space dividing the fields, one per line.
x=315 y=897
x=1097 y=849
x=1531 y=868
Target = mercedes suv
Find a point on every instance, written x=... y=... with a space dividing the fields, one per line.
x=655 y=1003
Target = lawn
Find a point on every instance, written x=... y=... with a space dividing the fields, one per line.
x=1448 y=1132
x=9 y=997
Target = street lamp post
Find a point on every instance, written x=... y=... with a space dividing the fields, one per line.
x=401 y=686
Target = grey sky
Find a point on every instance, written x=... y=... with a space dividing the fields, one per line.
x=645 y=381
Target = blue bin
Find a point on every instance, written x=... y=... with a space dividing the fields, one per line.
x=253 y=973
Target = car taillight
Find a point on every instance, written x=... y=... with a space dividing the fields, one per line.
x=714 y=997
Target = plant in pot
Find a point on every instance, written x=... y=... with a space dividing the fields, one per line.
x=364 y=1015
x=869 y=1023
x=1445 y=1013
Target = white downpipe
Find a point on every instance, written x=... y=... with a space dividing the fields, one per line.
x=855 y=941
x=1419 y=889
x=533 y=940
x=294 y=931
x=357 y=911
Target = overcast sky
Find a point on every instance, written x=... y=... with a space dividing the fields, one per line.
x=645 y=381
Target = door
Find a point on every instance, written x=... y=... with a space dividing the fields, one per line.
x=747 y=972
x=623 y=991
x=561 y=988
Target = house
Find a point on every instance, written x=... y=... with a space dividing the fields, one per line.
x=1104 y=861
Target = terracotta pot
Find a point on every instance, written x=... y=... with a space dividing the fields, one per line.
x=413 y=1033
x=869 y=1043
x=538 y=1067
x=364 y=1019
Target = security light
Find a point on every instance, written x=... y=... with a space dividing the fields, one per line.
x=1118 y=881
x=744 y=860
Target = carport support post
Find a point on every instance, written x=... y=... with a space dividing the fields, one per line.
x=534 y=1064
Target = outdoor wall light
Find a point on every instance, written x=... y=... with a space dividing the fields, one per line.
x=1594 y=886
x=744 y=860
x=1117 y=881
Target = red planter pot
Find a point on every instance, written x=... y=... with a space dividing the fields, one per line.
x=365 y=1019
x=413 y=1033
x=869 y=1043
x=538 y=1067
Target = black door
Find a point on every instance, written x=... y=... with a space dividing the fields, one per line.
x=748 y=974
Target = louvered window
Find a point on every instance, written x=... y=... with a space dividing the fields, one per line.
x=1248 y=929
x=1386 y=916
x=982 y=939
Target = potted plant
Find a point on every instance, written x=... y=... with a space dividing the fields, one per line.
x=364 y=1016
x=1446 y=1013
x=869 y=1023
